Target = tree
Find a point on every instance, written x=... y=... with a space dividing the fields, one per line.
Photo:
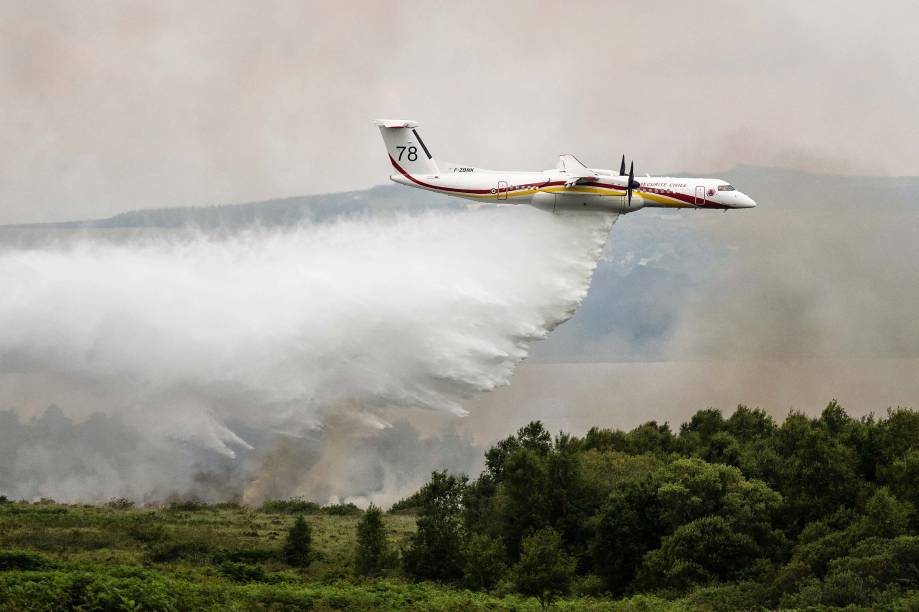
x=373 y=554
x=297 y=549
x=544 y=570
x=628 y=527
x=697 y=553
x=533 y=436
x=748 y=425
x=651 y=438
x=816 y=470
x=435 y=550
x=886 y=516
x=485 y=562
x=525 y=497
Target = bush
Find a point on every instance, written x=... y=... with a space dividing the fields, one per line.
x=242 y=572
x=189 y=505
x=297 y=549
x=295 y=505
x=196 y=551
x=348 y=509
x=120 y=503
x=22 y=560
x=407 y=505
x=147 y=532
x=248 y=555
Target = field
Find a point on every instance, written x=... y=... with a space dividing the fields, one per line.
x=736 y=512
x=55 y=556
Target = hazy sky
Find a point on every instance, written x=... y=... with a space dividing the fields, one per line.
x=110 y=106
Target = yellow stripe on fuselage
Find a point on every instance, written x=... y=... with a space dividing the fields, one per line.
x=659 y=199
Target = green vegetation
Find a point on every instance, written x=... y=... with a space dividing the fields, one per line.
x=544 y=570
x=373 y=555
x=727 y=513
x=298 y=547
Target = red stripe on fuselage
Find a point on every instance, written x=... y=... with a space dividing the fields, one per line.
x=677 y=196
x=467 y=191
x=423 y=184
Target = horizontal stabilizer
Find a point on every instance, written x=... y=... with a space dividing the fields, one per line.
x=396 y=123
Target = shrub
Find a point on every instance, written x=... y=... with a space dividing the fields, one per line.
x=248 y=555
x=242 y=572
x=194 y=550
x=135 y=593
x=407 y=505
x=348 y=509
x=147 y=532
x=299 y=540
x=120 y=503
x=189 y=505
x=22 y=560
x=295 y=505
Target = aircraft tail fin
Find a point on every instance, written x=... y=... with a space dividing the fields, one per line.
x=406 y=149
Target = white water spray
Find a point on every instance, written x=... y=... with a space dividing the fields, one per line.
x=282 y=328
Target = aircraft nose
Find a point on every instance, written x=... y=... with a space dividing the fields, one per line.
x=745 y=201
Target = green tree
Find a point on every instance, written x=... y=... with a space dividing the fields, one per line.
x=651 y=438
x=816 y=470
x=485 y=562
x=297 y=548
x=568 y=498
x=524 y=505
x=544 y=571
x=435 y=551
x=373 y=554
x=886 y=516
x=628 y=527
x=749 y=425
x=533 y=436
x=699 y=552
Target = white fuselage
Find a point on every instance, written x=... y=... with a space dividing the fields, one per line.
x=549 y=189
x=569 y=186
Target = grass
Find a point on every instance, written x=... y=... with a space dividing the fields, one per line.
x=120 y=557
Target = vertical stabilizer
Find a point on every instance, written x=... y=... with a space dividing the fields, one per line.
x=405 y=147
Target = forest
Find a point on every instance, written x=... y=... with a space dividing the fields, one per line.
x=725 y=513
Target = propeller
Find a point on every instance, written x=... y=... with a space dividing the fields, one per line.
x=633 y=184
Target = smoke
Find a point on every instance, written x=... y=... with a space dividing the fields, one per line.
x=300 y=337
x=808 y=297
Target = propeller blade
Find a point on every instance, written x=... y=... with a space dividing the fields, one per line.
x=631 y=180
x=622 y=167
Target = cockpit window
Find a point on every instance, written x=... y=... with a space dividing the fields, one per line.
x=726 y=188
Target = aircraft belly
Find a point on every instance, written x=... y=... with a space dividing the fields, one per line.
x=589 y=201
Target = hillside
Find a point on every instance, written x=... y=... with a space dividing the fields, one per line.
x=735 y=512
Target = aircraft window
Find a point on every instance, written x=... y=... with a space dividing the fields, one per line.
x=726 y=188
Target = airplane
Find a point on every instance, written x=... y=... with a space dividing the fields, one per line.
x=570 y=186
